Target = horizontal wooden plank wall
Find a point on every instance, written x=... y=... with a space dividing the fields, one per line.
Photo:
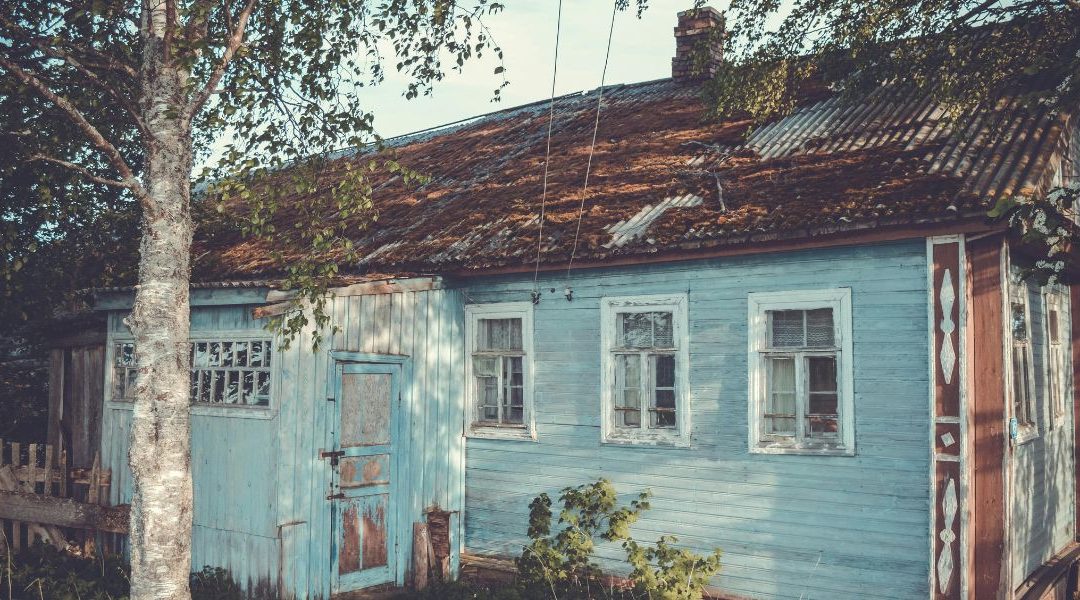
x=789 y=526
x=424 y=325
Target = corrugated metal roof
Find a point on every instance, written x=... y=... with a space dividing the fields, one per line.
x=830 y=166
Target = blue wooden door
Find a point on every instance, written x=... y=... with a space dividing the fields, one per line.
x=363 y=479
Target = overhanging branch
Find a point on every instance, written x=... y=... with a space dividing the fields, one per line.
x=235 y=39
x=81 y=170
x=91 y=132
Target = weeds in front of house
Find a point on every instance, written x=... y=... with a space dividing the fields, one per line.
x=558 y=563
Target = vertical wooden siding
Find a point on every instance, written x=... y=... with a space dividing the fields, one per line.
x=426 y=326
x=260 y=488
x=789 y=526
x=233 y=464
x=1043 y=486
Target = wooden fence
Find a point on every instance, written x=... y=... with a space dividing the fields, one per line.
x=41 y=497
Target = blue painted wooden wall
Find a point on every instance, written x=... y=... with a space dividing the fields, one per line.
x=260 y=488
x=789 y=526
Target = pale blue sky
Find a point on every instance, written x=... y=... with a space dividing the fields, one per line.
x=641 y=50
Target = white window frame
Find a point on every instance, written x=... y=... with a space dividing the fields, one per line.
x=200 y=409
x=1058 y=386
x=679 y=436
x=758 y=305
x=1018 y=290
x=503 y=310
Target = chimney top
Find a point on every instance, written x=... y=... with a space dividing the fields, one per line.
x=699 y=44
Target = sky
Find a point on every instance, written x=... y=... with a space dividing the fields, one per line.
x=641 y=49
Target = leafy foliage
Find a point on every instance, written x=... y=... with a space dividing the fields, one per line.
x=561 y=565
x=214 y=583
x=42 y=571
x=964 y=54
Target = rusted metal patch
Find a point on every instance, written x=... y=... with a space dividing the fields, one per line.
x=362 y=471
x=375 y=533
x=349 y=557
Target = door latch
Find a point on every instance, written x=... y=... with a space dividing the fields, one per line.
x=337 y=496
x=333 y=455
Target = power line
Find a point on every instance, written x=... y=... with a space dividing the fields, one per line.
x=592 y=148
x=547 y=156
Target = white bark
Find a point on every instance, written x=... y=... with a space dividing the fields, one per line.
x=160 y=458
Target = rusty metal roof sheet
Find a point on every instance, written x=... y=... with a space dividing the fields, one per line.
x=666 y=179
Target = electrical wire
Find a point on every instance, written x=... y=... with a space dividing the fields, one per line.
x=547 y=156
x=592 y=147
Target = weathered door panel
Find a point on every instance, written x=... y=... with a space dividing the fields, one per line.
x=363 y=474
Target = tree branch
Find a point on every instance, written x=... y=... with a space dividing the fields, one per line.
x=233 y=43
x=91 y=132
x=81 y=170
x=65 y=56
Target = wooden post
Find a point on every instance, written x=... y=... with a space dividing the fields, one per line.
x=420 y=557
x=16 y=526
x=48 y=470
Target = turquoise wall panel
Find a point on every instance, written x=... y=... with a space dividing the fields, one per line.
x=789 y=526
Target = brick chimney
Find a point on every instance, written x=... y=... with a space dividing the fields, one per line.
x=699 y=44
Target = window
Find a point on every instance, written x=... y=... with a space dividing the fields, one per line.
x=223 y=372
x=1057 y=353
x=1022 y=370
x=645 y=370
x=800 y=356
x=499 y=339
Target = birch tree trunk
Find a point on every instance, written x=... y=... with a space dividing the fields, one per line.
x=160 y=445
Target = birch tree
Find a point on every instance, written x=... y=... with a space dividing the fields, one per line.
x=966 y=54
x=127 y=94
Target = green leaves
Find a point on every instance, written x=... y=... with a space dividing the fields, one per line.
x=561 y=565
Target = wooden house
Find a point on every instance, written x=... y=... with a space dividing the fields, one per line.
x=809 y=342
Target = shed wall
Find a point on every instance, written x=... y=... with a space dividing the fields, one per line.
x=789 y=526
x=260 y=488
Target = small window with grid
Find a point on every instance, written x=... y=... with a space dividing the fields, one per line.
x=223 y=372
x=645 y=369
x=800 y=372
x=499 y=338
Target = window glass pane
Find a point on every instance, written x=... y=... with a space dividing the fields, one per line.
x=1019 y=322
x=663 y=331
x=665 y=371
x=240 y=354
x=786 y=327
x=515 y=398
x=627 y=390
x=486 y=372
x=822 y=373
x=635 y=330
x=256 y=357
x=499 y=334
x=822 y=426
x=226 y=354
x=1052 y=326
x=819 y=328
x=780 y=403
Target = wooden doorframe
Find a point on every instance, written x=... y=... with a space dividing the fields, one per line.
x=400 y=431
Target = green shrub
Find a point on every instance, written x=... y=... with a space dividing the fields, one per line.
x=214 y=583
x=561 y=565
x=42 y=571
